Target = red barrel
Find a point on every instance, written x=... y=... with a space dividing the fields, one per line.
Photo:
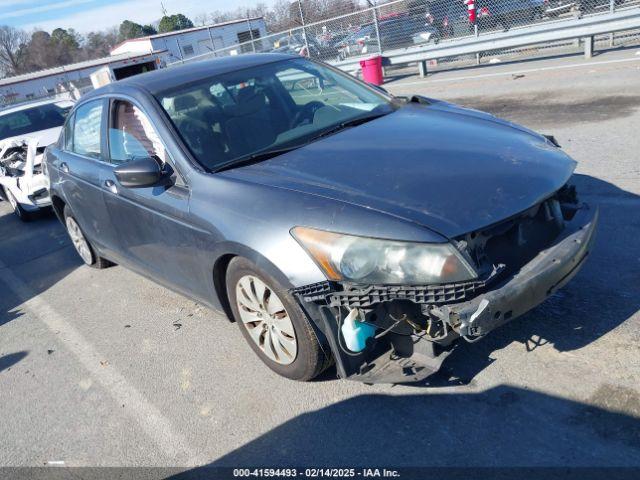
x=372 y=70
x=471 y=9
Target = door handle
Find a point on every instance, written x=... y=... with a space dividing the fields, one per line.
x=111 y=186
x=64 y=167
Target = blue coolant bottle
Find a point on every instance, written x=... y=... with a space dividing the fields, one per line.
x=355 y=332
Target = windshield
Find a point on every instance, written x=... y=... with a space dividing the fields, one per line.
x=32 y=120
x=266 y=108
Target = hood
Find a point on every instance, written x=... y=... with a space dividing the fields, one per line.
x=45 y=137
x=449 y=169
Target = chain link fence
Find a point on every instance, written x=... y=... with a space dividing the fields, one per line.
x=398 y=24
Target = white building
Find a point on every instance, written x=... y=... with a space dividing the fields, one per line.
x=139 y=55
x=192 y=42
x=55 y=80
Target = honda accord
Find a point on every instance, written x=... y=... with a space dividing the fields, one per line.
x=332 y=221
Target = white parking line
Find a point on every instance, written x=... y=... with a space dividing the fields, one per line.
x=173 y=445
x=426 y=81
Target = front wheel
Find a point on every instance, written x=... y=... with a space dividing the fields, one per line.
x=273 y=323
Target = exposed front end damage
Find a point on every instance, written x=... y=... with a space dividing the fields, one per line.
x=22 y=178
x=520 y=261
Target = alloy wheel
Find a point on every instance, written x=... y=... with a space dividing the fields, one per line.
x=266 y=320
x=78 y=240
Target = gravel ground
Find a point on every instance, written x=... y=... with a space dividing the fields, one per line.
x=105 y=368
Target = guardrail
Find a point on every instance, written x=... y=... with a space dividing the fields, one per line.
x=585 y=27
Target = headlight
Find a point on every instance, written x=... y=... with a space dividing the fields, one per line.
x=370 y=260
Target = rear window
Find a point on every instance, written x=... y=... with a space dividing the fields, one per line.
x=32 y=120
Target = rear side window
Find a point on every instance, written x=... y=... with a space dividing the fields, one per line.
x=131 y=135
x=87 y=128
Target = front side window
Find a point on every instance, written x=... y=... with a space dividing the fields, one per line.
x=278 y=105
x=86 y=129
x=131 y=135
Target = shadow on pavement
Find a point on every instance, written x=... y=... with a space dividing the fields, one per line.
x=9 y=360
x=38 y=253
x=502 y=427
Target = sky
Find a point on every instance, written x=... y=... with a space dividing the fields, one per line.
x=92 y=15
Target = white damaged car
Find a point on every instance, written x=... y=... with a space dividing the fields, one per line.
x=25 y=131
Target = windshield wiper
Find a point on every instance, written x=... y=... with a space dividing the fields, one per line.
x=348 y=123
x=254 y=158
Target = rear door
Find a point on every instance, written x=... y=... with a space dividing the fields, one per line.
x=152 y=223
x=81 y=167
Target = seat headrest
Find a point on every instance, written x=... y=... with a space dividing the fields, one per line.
x=184 y=102
x=248 y=101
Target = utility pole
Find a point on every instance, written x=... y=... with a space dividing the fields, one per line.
x=304 y=32
x=374 y=5
x=253 y=43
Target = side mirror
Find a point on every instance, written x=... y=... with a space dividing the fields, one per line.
x=138 y=173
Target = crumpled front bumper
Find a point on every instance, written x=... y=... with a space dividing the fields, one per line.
x=413 y=357
x=549 y=271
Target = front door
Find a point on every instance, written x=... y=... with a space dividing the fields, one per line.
x=152 y=223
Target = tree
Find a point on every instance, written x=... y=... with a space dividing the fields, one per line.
x=64 y=46
x=201 y=19
x=99 y=44
x=281 y=17
x=37 y=54
x=68 y=38
x=129 y=30
x=149 y=30
x=172 y=23
x=11 y=41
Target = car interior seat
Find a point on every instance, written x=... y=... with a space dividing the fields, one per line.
x=206 y=144
x=248 y=126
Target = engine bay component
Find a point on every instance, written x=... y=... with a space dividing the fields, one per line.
x=355 y=331
x=22 y=179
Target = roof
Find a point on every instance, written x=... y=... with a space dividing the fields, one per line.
x=73 y=67
x=168 y=78
x=186 y=30
x=26 y=105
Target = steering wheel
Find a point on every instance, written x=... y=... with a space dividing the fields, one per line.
x=306 y=113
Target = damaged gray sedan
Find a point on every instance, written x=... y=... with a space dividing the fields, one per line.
x=330 y=220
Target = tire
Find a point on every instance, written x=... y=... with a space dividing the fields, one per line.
x=267 y=320
x=19 y=212
x=83 y=247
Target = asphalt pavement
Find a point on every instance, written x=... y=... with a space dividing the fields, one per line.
x=105 y=368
